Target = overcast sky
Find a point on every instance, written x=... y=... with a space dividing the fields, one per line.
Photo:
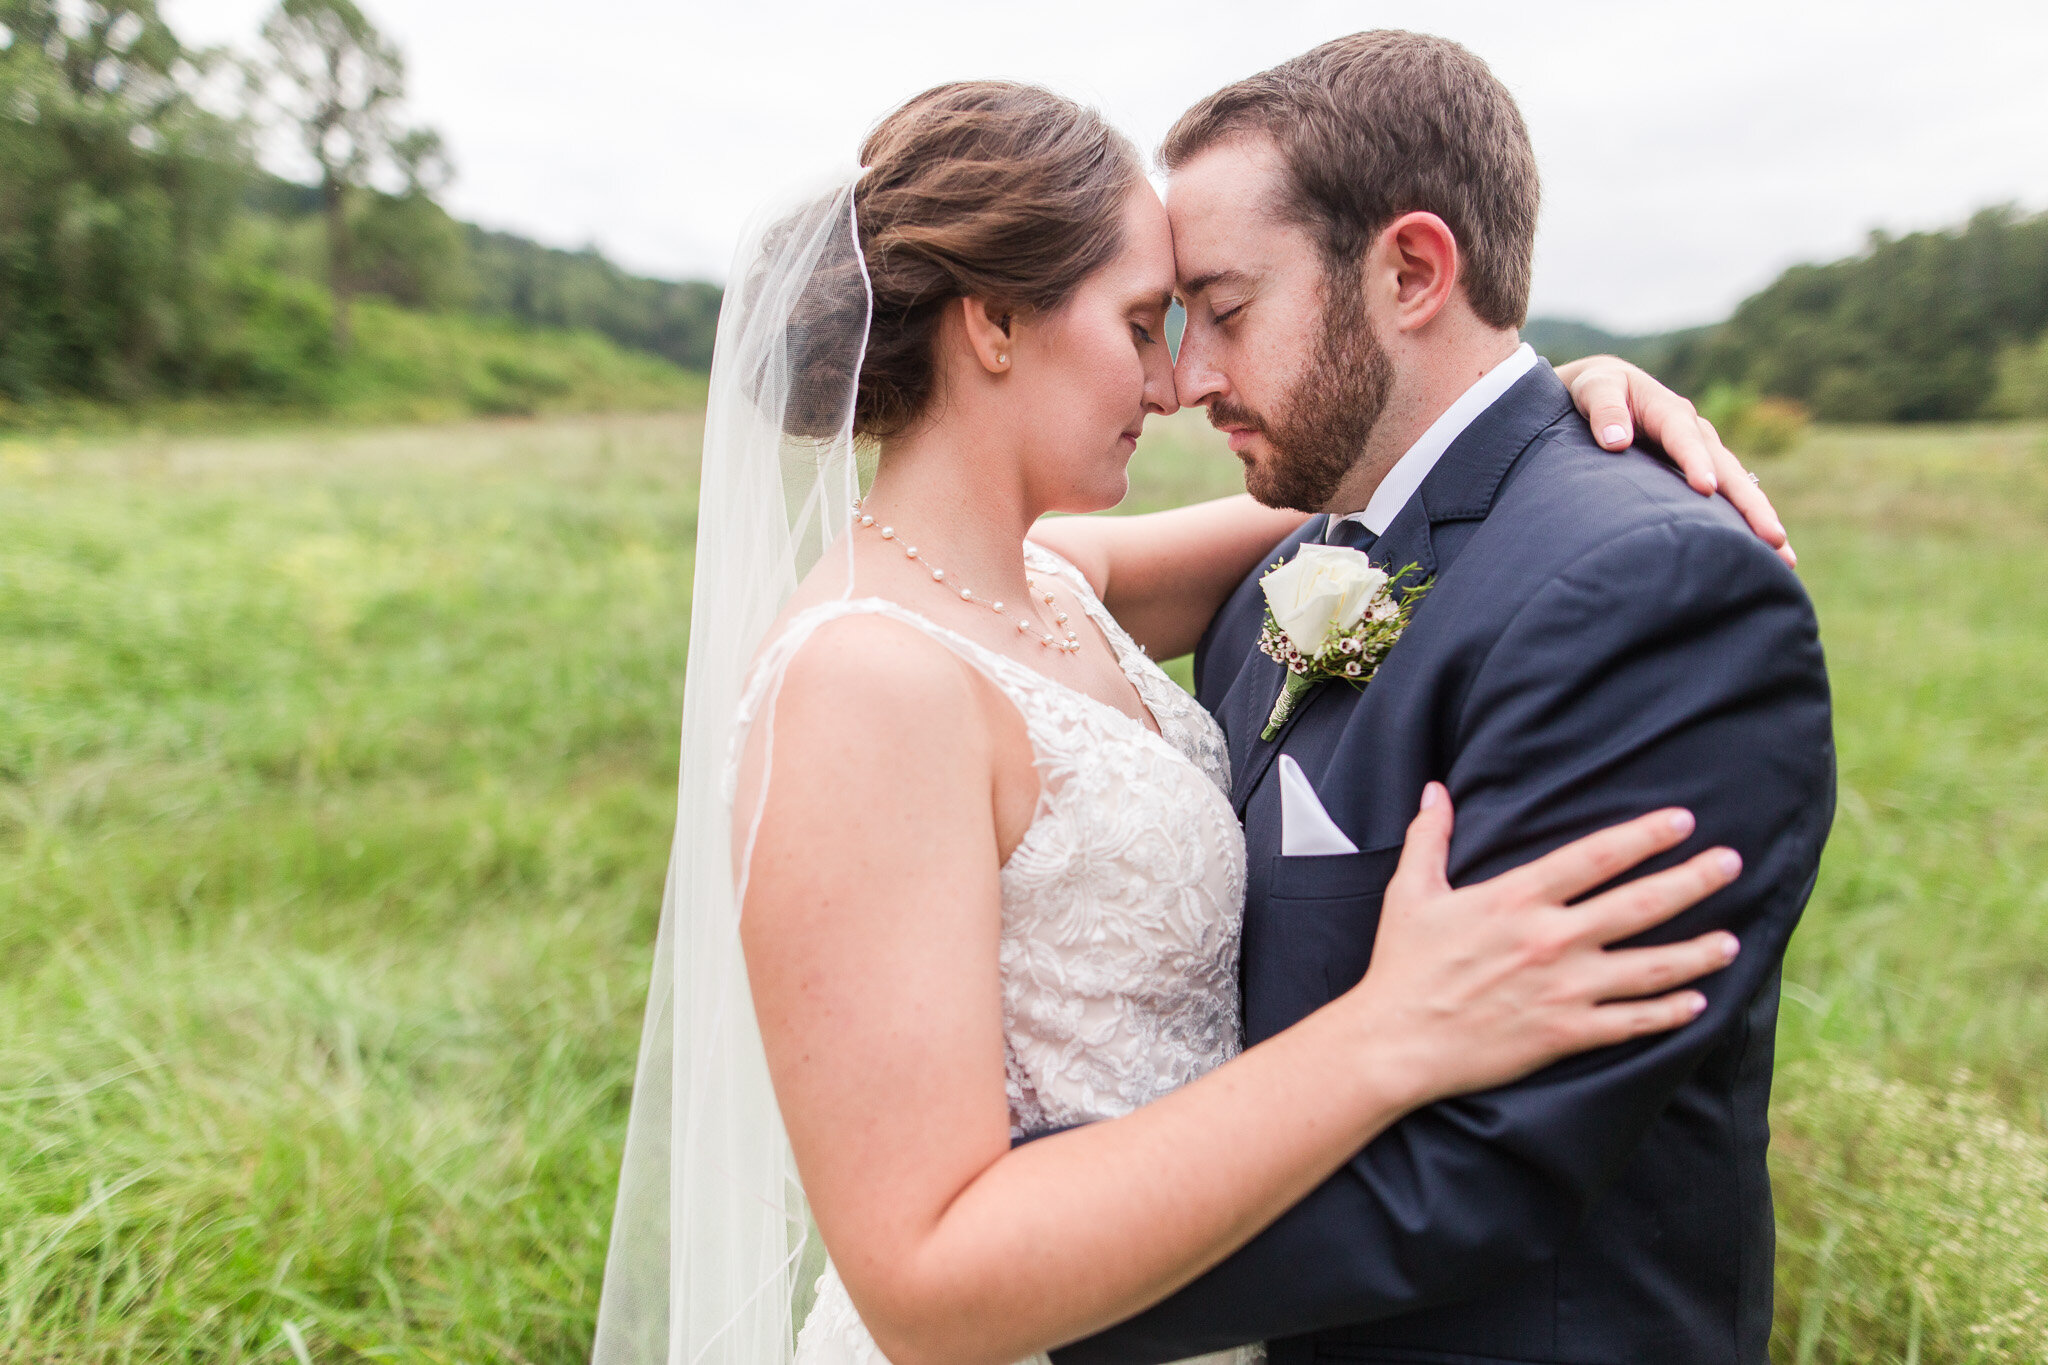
x=1689 y=152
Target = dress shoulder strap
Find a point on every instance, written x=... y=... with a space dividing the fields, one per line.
x=1041 y=560
x=1013 y=678
x=1181 y=720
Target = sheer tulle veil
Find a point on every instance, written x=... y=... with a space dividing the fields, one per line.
x=709 y=1231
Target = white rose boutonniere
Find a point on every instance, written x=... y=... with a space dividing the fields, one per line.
x=1330 y=615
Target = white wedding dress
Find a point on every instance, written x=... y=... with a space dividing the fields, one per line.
x=1121 y=906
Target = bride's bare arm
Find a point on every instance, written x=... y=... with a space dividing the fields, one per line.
x=871 y=928
x=1164 y=574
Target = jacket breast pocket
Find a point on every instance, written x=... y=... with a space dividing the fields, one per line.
x=1324 y=911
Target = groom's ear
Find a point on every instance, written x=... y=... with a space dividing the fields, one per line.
x=988 y=333
x=1414 y=267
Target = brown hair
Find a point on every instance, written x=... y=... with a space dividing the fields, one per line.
x=1385 y=123
x=977 y=189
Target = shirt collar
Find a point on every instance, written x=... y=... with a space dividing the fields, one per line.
x=1413 y=467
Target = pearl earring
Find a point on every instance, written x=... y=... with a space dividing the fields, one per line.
x=1002 y=359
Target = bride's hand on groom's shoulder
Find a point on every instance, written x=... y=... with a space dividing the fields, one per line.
x=1616 y=398
x=1478 y=986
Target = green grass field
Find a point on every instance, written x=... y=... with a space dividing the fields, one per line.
x=336 y=774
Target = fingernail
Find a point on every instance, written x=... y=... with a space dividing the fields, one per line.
x=1681 y=822
x=1731 y=861
x=1431 y=795
x=1791 y=554
x=1697 y=1003
x=1730 y=946
x=1614 y=434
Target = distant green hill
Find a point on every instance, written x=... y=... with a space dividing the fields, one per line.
x=517 y=278
x=450 y=321
x=412 y=251
x=405 y=365
x=1561 y=339
x=1933 y=326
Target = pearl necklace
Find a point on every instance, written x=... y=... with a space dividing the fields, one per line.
x=1070 y=645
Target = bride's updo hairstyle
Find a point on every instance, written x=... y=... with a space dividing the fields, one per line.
x=977 y=189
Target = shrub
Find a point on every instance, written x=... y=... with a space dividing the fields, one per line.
x=274 y=340
x=1773 y=427
x=1753 y=426
x=2022 y=381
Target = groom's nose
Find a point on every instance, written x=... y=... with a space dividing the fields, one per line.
x=1195 y=379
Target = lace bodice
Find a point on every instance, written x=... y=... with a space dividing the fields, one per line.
x=1121 y=905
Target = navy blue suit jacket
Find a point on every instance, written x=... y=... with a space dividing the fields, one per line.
x=1599 y=641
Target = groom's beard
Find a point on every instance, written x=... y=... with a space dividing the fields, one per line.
x=1324 y=422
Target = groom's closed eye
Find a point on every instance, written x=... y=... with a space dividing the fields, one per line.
x=1201 y=284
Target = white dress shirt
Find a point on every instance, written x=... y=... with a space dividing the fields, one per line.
x=1412 y=468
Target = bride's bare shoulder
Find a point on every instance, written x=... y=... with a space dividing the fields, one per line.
x=868 y=680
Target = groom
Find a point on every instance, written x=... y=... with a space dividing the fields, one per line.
x=1353 y=231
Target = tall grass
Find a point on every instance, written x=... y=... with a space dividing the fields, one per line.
x=1912 y=1114
x=335 y=781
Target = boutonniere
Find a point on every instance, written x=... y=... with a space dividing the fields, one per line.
x=1330 y=615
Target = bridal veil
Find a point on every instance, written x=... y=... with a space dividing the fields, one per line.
x=710 y=1224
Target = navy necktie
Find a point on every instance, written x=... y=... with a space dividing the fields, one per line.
x=1351 y=533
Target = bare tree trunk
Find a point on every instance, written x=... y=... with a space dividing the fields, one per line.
x=334 y=198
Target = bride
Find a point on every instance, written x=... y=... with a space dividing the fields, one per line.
x=990 y=873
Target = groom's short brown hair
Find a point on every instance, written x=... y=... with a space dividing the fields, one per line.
x=1385 y=123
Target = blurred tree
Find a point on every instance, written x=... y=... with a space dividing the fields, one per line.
x=115 y=190
x=406 y=248
x=143 y=253
x=339 y=82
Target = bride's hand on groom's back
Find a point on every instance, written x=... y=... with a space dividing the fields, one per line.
x=1475 y=987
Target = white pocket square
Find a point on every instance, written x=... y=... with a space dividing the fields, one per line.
x=1306 y=829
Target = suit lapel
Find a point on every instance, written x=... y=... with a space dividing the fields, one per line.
x=1406 y=542
x=1263 y=751
x=1466 y=480
x=1462 y=487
